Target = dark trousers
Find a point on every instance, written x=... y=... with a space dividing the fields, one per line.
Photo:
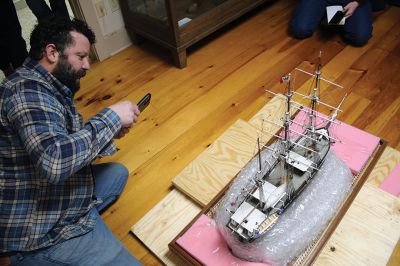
x=12 y=45
x=309 y=13
x=41 y=10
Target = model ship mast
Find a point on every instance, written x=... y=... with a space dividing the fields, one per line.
x=289 y=173
x=314 y=100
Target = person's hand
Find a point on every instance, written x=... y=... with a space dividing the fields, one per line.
x=127 y=111
x=122 y=132
x=350 y=8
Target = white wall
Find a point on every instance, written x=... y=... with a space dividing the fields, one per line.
x=105 y=19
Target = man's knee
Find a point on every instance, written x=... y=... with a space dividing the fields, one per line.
x=111 y=179
x=122 y=173
x=300 y=31
x=358 y=39
x=121 y=170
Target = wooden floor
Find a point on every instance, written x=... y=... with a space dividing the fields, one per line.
x=225 y=80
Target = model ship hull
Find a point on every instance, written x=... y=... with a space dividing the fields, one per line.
x=259 y=211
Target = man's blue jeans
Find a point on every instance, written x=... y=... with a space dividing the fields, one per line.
x=309 y=13
x=99 y=246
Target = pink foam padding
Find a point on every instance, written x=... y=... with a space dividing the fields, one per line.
x=355 y=147
x=204 y=242
x=391 y=183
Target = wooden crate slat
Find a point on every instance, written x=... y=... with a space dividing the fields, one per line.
x=272 y=111
x=389 y=159
x=162 y=223
x=203 y=178
x=367 y=233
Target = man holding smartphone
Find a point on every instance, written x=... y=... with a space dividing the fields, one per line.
x=357 y=28
x=51 y=195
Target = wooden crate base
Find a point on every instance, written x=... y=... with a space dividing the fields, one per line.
x=160 y=225
x=313 y=250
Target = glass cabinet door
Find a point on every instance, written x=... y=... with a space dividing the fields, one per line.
x=187 y=10
x=155 y=9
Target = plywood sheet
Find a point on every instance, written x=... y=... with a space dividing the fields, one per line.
x=367 y=233
x=389 y=159
x=271 y=112
x=162 y=223
x=205 y=176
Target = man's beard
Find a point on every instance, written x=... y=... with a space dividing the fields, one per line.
x=67 y=75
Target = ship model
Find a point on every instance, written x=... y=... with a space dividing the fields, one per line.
x=298 y=154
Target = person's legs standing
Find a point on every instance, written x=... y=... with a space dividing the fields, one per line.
x=358 y=27
x=307 y=17
x=13 y=47
x=39 y=8
x=59 y=8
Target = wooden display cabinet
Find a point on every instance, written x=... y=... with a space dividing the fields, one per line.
x=177 y=24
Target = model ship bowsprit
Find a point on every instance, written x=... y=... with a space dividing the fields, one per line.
x=297 y=157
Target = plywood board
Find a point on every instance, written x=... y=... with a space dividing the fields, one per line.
x=162 y=223
x=271 y=111
x=205 y=176
x=389 y=159
x=367 y=233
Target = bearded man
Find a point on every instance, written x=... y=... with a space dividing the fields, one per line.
x=50 y=193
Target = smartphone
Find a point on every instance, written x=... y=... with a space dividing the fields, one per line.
x=144 y=102
x=337 y=17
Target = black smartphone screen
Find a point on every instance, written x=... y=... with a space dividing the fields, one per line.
x=144 y=102
x=337 y=17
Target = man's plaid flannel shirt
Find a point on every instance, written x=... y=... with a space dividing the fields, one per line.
x=46 y=186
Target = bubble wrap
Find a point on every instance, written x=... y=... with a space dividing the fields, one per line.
x=300 y=224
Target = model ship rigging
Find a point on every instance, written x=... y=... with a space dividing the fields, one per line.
x=297 y=157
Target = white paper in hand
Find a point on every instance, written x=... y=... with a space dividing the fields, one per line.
x=331 y=11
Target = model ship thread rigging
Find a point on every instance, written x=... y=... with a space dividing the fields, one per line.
x=296 y=158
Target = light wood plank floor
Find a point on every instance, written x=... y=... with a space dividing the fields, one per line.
x=225 y=80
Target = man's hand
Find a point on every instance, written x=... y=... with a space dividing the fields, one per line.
x=128 y=112
x=122 y=132
x=350 y=8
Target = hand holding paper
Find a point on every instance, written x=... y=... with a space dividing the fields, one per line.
x=335 y=15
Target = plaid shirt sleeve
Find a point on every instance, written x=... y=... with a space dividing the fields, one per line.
x=40 y=121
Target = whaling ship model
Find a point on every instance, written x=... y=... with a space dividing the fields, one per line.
x=299 y=154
